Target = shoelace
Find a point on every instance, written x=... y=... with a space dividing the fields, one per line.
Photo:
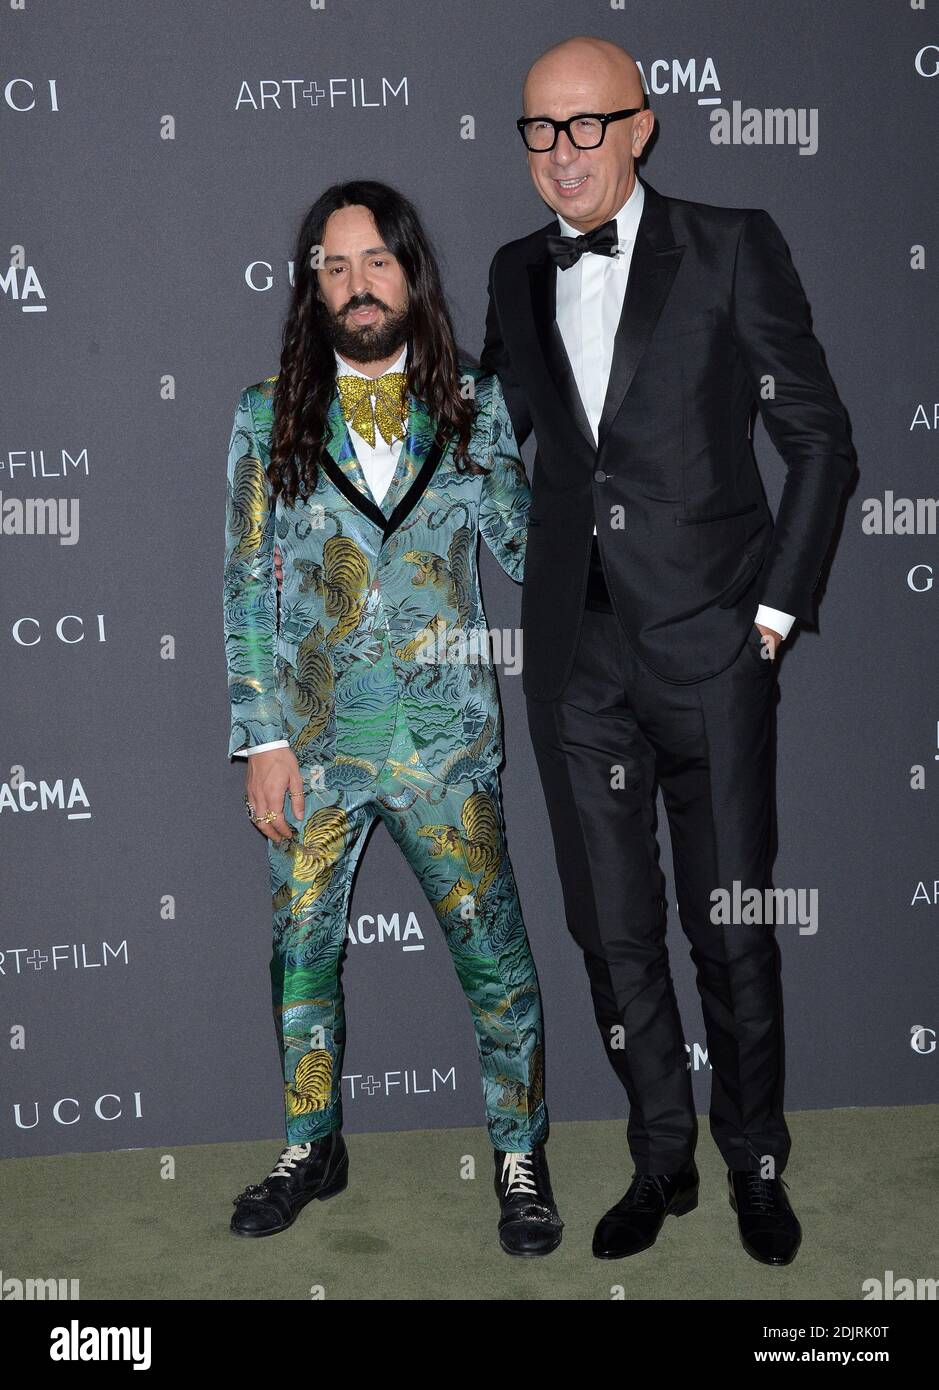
x=761 y=1193
x=289 y=1159
x=645 y=1184
x=518 y=1176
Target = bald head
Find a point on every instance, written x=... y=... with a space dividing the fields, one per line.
x=596 y=64
x=586 y=76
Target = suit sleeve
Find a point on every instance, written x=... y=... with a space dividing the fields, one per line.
x=249 y=594
x=800 y=409
x=495 y=360
x=506 y=497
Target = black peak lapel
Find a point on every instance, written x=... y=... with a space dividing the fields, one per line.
x=543 y=274
x=654 y=265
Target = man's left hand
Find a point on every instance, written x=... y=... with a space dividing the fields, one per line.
x=771 y=640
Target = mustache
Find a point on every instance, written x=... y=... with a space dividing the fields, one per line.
x=362 y=301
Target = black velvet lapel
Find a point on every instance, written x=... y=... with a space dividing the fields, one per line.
x=654 y=266
x=543 y=275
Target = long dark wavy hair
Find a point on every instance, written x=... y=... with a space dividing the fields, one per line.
x=307 y=376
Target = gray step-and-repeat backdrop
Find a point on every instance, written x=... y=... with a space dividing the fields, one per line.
x=157 y=160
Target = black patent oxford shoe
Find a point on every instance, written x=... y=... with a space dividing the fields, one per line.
x=634 y=1223
x=769 y=1228
x=303 y=1173
x=529 y=1223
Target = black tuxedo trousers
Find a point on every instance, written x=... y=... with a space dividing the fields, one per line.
x=617 y=732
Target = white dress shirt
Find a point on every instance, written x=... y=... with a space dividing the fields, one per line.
x=589 y=302
x=378 y=462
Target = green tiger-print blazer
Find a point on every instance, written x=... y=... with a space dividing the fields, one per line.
x=380 y=604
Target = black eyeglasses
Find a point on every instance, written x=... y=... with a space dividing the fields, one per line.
x=540 y=133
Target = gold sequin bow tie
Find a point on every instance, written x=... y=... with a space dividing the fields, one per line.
x=389 y=411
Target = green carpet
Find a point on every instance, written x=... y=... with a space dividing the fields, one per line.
x=409 y=1227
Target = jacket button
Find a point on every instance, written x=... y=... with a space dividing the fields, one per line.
x=599 y=476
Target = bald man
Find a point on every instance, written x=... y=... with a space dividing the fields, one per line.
x=637 y=335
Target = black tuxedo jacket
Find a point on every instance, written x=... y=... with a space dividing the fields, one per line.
x=714 y=323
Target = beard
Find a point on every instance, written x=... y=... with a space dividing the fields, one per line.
x=368 y=342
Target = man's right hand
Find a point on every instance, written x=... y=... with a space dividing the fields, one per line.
x=270 y=775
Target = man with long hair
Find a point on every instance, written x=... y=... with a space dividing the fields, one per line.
x=375 y=458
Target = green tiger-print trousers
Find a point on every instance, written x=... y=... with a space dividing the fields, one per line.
x=453 y=837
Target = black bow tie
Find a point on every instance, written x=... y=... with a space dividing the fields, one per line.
x=566 y=251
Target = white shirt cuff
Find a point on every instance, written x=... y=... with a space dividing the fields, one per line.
x=260 y=748
x=774 y=617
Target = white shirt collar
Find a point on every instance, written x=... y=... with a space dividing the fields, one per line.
x=343 y=368
x=627 y=219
